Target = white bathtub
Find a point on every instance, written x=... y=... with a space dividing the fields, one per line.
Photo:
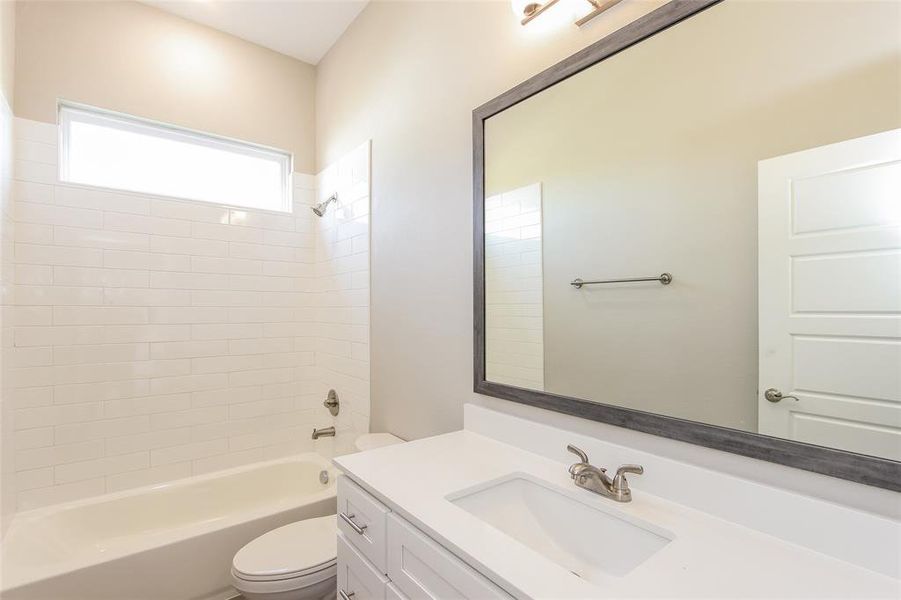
x=173 y=541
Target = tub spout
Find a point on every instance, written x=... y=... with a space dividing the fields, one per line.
x=324 y=432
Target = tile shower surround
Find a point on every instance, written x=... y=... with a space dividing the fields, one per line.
x=153 y=339
x=7 y=271
x=514 y=338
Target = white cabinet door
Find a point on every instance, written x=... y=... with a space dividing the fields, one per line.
x=830 y=295
x=423 y=570
x=357 y=579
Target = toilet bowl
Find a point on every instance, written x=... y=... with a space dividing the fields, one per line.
x=294 y=562
x=297 y=561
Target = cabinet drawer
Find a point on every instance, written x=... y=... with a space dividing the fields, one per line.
x=392 y=593
x=423 y=570
x=361 y=518
x=358 y=579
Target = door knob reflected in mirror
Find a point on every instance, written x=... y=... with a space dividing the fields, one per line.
x=774 y=395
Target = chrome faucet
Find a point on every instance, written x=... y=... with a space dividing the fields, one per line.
x=324 y=432
x=593 y=479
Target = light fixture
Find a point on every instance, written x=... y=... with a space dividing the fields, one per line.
x=526 y=10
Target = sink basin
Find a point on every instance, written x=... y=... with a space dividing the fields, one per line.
x=589 y=541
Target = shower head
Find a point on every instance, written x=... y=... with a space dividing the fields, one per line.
x=319 y=209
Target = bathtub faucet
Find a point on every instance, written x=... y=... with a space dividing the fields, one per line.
x=324 y=432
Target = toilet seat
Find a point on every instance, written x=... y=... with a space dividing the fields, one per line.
x=298 y=554
x=277 y=586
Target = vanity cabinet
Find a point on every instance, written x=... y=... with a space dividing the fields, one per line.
x=422 y=568
x=383 y=556
x=356 y=575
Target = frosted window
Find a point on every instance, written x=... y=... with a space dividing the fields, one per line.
x=113 y=151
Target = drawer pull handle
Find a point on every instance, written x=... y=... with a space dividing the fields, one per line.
x=344 y=595
x=347 y=519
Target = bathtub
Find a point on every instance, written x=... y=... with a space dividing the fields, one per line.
x=173 y=541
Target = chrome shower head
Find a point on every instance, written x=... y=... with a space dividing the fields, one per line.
x=319 y=209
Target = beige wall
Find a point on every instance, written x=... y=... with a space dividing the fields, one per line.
x=401 y=76
x=135 y=59
x=659 y=173
x=7 y=48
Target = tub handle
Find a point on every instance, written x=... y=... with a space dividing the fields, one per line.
x=347 y=519
x=344 y=595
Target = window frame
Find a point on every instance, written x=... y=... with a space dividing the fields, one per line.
x=85 y=113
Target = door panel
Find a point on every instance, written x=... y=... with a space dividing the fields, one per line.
x=864 y=438
x=824 y=364
x=848 y=282
x=830 y=294
x=845 y=199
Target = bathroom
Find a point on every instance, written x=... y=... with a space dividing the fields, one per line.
x=403 y=299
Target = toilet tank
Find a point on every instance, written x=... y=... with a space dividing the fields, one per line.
x=370 y=441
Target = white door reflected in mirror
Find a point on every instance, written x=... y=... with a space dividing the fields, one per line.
x=830 y=304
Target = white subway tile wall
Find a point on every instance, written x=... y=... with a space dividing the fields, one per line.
x=342 y=270
x=153 y=339
x=7 y=288
x=514 y=333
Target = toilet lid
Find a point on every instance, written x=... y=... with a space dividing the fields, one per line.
x=371 y=441
x=294 y=550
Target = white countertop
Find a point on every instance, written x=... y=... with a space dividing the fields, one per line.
x=708 y=557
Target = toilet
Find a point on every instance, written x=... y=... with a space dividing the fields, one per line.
x=289 y=563
x=297 y=561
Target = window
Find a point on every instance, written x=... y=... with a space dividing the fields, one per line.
x=115 y=151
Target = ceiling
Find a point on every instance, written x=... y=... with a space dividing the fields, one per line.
x=304 y=29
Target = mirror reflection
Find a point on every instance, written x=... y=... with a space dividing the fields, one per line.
x=744 y=167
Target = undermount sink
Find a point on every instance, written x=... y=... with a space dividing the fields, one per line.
x=584 y=539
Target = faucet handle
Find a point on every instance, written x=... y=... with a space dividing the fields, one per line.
x=583 y=458
x=620 y=484
x=636 y=469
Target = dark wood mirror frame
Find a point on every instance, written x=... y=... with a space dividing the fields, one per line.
x=869 y=470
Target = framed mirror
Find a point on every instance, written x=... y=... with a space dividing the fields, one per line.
x=692 y=228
